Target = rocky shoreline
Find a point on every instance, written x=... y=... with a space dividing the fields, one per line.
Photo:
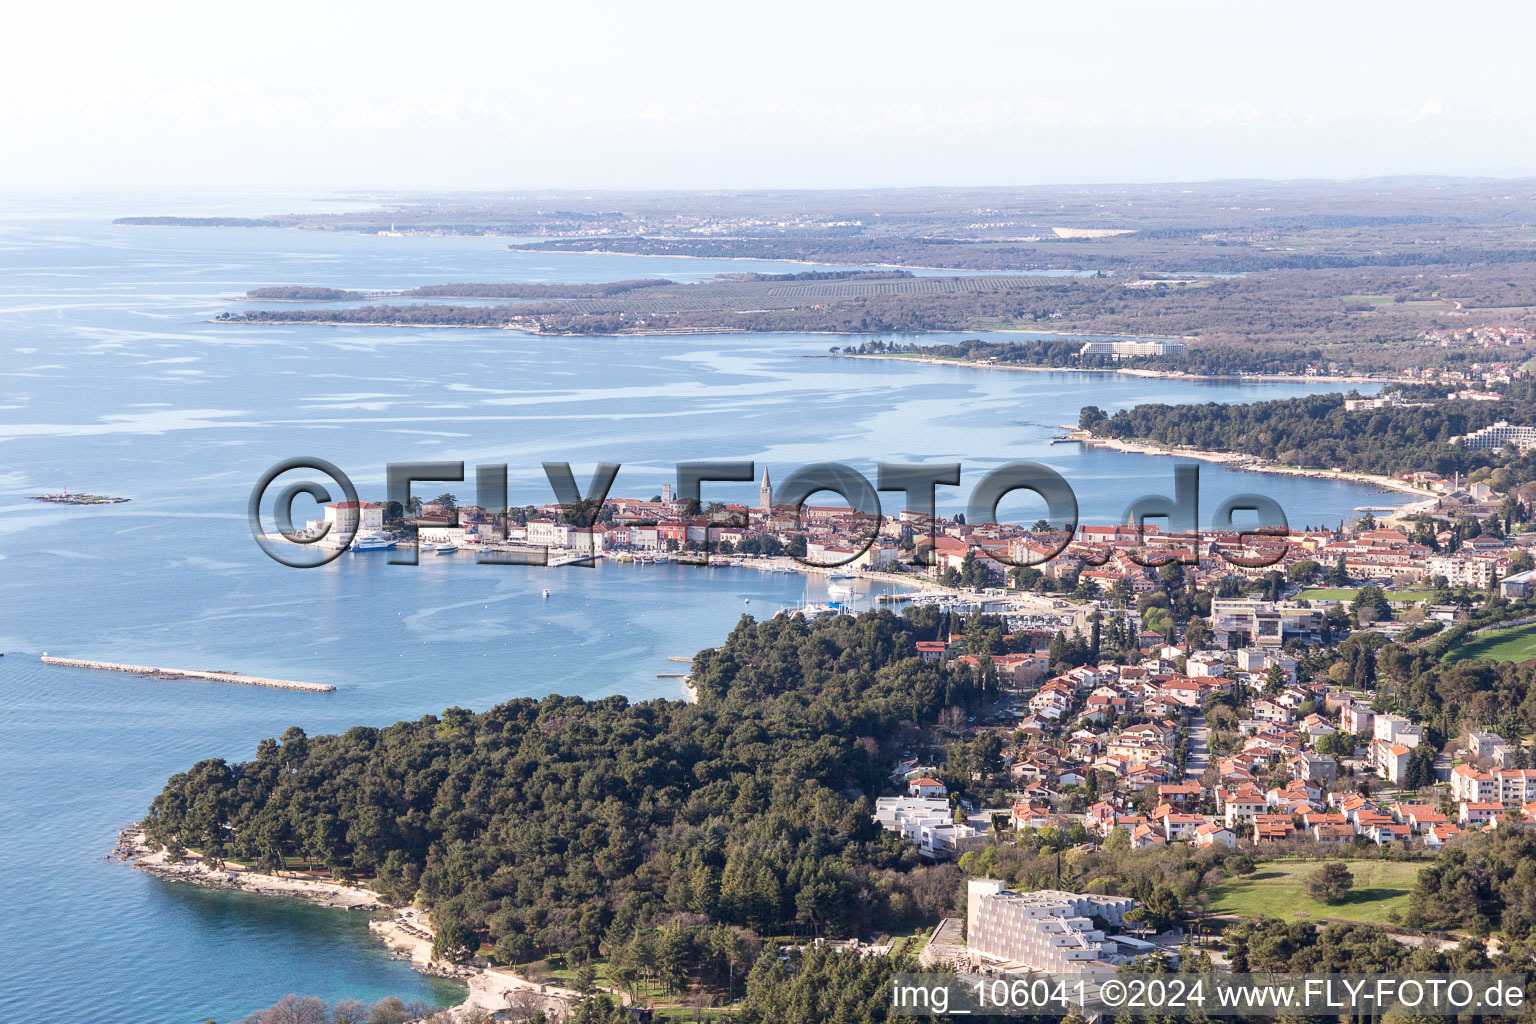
x=133 y=848
x=406 y=931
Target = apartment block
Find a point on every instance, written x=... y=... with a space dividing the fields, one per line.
x=1047 y=930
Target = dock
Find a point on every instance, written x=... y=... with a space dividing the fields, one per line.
x=181 y=673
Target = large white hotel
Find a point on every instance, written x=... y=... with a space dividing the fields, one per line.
x=1047 y=931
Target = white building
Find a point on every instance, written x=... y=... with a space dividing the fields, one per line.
x=1131 y=349
x=1498 y=435
x=1047 y=930
x=548 y=533
x=1508 y=786
x=1476 y=572
x=346 y=519
x=1397 y=729
x=927 y=822
x=1240 y=622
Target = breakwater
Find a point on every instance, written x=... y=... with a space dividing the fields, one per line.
x=181 y=673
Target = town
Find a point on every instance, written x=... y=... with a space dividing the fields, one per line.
x=1150 y=694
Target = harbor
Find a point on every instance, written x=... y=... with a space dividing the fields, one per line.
x=152 y=672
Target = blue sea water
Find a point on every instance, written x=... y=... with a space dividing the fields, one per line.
x=113 y=381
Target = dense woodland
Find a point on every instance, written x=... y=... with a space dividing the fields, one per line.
x=515 y=290
x=1363 y=320
x=300 y=293
x=663 y=833
x=1352 y=273
x=678 y=840
x=1317 y=431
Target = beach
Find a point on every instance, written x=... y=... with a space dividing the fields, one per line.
x=1278 y=378
x=408 y=931
x=1252 y=463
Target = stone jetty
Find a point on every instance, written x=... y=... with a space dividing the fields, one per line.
x=182 y=673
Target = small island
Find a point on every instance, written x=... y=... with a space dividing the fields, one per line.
x=65 y=498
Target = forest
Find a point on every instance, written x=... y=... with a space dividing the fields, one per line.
x=1265 y=277
x=667 y=836
x=299 y=293
x=1317 y=431
x=1364 y=321
x=517 y=290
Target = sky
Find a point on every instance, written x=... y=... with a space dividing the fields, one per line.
x=513 y=95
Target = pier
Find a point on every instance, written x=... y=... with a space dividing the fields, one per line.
x=180 y=673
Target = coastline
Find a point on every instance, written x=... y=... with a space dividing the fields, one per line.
x=535 y=331
x=1252 y=464
x=406 y=932
x=1263 y=378
x=133 y=848
x=787 y=260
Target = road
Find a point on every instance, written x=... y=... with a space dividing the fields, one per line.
x=1199 y=748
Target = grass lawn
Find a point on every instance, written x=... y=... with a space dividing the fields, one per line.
x=1349 y=594
x=566 y=976
x=1276 y=890
x=1518 y=644
x=689 y=1013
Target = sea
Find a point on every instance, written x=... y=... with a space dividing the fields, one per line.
x=114 y=380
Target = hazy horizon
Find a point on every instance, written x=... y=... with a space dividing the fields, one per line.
x=483 y=97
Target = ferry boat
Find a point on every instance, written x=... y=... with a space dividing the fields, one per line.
x=839 y=590
x=372 y=542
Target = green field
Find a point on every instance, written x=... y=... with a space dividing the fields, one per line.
x=1276 y=890
x=1517 y=644
x=1350 y=593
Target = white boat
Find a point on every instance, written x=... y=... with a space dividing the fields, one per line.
x=839 y=590
x=372 y=542
x=445 y=549
x=546 y=592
